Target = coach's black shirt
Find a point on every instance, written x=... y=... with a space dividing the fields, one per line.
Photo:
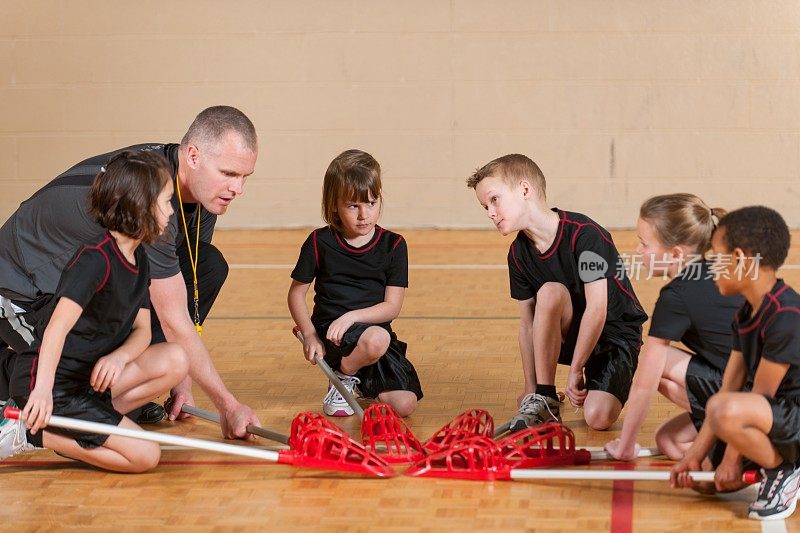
x=773 y=333
x=581 y=253
x=111 y=292
x=38 y=240
x=348 y=278
x=691 y=310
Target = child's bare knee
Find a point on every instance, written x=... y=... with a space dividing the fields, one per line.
x=600 y=415
x=722 y=415
x=405 y=405
x=662 y=437
x=145 y=458
x=599 y=419
x=376 y=343
x=150 y=462
x=403 y=402
x=666 y=444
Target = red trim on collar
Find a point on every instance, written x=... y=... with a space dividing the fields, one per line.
x=367 y=248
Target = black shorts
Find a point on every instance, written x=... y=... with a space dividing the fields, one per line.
x=785 y=431
x=7 y=358
x=391 y=372
x=82 y=403
x=611 y=365
x=717 y=453
x=702 y=382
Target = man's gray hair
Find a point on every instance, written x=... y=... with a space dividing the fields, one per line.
x=214 y=122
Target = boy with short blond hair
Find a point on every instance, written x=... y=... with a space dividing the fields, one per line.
x=577 y=305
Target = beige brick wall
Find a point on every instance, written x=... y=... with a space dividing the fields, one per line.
x=615 y=99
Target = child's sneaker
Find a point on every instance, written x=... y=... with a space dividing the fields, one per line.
x=12 y=436
x=534 y=410
x=777 y=495
x=334 y=404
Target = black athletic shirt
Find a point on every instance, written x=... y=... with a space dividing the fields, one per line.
x=43 y=233
x=773 y=333
x=111 y=292
x=581 y=253
x=691 y=310
x=349 y=278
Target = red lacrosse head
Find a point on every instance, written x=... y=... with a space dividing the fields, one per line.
x=331 y=449
x=550 y=444
x=472 y=423
x=384 y=433
x=306 y=421
x=477 y=458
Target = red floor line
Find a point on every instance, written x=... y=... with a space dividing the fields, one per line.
x=622 y=504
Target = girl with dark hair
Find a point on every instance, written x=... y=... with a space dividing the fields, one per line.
x=90 y=333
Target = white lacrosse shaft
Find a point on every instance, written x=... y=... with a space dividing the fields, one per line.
x=598 y=454
x=615 y=475
x=152 y=436
x=749 y=476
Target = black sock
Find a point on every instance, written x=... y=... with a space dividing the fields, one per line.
x=36 y=440
x=547 y=390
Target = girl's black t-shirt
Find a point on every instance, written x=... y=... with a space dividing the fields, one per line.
x=348 y=278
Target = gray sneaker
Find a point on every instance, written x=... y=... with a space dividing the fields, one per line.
x=534 y=410
x=12 y=436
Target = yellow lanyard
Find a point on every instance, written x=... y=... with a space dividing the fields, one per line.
x=193 y=257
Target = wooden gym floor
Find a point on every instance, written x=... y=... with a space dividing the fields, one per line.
x=460 y=325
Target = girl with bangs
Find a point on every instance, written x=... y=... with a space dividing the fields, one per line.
x=360 y=274
x=91 y=339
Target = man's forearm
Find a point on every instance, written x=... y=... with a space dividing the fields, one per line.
x=201 y=368
x=168 y=296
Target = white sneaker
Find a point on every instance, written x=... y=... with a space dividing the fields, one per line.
x=777 y=495
x=334 y=404
x=12 y=436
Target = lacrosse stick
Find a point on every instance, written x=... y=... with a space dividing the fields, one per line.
x=319 y=447
x=335 y=381
x=253 y=430
x=481 y=458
